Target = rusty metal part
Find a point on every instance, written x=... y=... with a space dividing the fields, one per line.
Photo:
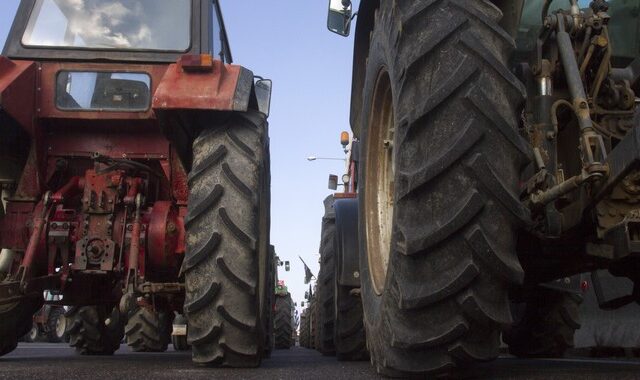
x=164 y=253
x=622 y=162
x=39 y=225
x=134 y=245
x=161 y=288
x=545 y=197
x=7 y=258
x=12 y=291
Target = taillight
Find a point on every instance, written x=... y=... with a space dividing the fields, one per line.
x=584 y=286
x=197 y=62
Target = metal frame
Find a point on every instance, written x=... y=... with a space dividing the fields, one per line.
x=200 y=41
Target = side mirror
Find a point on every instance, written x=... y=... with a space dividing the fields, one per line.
x=340 y=13
x=333 y=182
x=287 y=266
x=263 y=94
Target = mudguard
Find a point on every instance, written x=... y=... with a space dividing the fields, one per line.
x=198 y=97
x=224 y=88
x=347 y=247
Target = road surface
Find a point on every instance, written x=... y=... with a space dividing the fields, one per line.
x=58 y=361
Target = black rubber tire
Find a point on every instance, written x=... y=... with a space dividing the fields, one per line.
x=180 y=343
x=8 y=346
x=458 y=157
x=268 y=313
x=350 y=337
x=148 y=330
x=33 y=335
x=222 y=265
x=52 y=324
x=327 y=288
x=88 y=332
x=283 y=326
x=544 y=324
x=313 y=325
x=16 y=320
x=304 y=329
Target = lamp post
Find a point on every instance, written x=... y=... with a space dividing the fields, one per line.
x=314 y=158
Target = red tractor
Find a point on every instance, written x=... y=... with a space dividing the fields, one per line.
x=49 y=323
x=134 y=164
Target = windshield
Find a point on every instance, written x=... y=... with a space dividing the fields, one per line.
x=116 y=24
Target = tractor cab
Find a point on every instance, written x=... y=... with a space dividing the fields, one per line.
x=124 y=31
x=104 y=105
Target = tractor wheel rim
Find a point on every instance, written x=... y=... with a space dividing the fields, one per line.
x=61 y=326
x=380 y=171
x=33 y=334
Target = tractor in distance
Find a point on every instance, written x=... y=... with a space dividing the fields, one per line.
x=285 y=318
x=308 y=317
x=49 y=323
x=285 y=321
x=134 y=165
x=337 y=302
x=499 y=150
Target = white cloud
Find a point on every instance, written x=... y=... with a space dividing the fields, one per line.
x=106 y=24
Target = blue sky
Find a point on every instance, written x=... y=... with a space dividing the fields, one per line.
x=288 y=42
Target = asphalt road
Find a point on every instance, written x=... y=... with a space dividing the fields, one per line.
x=58 y=361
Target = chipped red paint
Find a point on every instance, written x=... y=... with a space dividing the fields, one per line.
x=89 y=214
x=14 y=226
x=17 y=91
x=213 y=90
x=163 y=236
x=48 y=110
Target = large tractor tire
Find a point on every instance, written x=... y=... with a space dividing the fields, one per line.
x=148 y=330
x=94 y=330
x=439 y=207
x=327 y=288
x=313 y=325
x=16 y=320
x=544 y=324
x=56 y=325
x=350 y=337
x=283 y=322
x=222 y=266
x=304 y=330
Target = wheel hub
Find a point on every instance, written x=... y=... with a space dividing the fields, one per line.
x=61 y=325
x=380 y=171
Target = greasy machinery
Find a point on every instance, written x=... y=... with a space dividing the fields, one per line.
x=498 y=150
x=134 y=164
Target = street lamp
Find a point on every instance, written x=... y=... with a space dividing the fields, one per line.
x=314 y=158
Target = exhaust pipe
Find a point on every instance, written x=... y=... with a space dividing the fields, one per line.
x=6 y=260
